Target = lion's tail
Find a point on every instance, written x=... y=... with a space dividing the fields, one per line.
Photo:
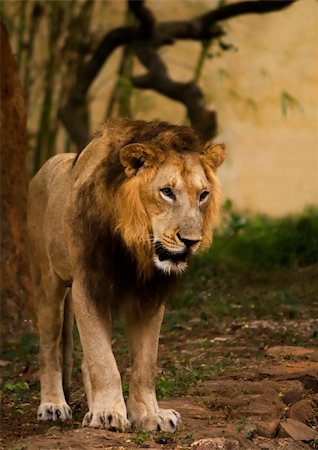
x=67 y=345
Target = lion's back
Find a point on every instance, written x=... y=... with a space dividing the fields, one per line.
x=49 y=192
x=49 y=182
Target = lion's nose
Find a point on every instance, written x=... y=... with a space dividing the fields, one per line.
x=187 y=241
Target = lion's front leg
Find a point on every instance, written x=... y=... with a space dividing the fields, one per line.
x=107 y=408
x=143 y=338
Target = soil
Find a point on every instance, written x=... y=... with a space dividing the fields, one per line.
x=243 y=384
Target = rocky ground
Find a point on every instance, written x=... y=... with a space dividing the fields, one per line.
x=239 y=382
x=257 y=398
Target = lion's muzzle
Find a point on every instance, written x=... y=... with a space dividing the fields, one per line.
x=189 y=242
x=164 y=254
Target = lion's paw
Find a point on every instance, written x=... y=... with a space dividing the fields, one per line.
x=165 y=420
x=54 y=411
x=110 y=420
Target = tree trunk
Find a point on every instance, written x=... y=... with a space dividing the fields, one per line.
x=15 y=281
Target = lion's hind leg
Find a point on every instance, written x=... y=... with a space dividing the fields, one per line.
x=67 y=343
x=50 y=296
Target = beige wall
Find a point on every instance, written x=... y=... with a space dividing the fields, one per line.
x=273 y=161
x=272 y=165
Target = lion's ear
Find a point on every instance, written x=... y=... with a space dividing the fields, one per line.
x=215 y=153
x=135 y=156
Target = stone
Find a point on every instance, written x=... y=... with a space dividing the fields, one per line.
x=297 y=430
x=310 y=379
x=293 y=396
x=314 y=356
x=289 y=350
x=4 y=363
x=305 y=411
x=220 y=443
x=187 y=407
x=267 y=429
x=314 y=398
x=279 y=444
x=303 y=370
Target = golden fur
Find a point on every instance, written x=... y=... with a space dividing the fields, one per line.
x=117 y=223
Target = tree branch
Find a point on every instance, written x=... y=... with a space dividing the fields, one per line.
x=155 y=34
x=70 y=115
x=143 y=15
x=189 y=94
x=245 y=7
x=69 y=112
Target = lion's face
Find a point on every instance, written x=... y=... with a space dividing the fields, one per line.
x=180 y=197
x=176 y=202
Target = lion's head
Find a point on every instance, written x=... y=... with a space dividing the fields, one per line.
x=179 y=199
x=164 y=193
x=148 y=198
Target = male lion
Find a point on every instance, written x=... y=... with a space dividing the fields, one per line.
x=116 y=225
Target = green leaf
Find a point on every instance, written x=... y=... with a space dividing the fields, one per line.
x=287 y=102
x=14 y=386
x=228 y=204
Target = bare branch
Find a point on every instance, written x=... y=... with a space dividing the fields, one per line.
x=245 y=7
x=189 y=94
x=143 y=15
x=76 y=127
x=69 y=112
x=115 y=38
x=206 y=26
x=156 y=35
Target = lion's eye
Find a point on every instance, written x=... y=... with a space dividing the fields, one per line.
x=167 y=192
x=203 y=195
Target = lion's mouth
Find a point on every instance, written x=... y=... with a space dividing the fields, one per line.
x=164 y=254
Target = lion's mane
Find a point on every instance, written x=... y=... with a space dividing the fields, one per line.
x=112 y=221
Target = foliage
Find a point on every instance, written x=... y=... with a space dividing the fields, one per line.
x=257 y=267
x=288 y=102
x=178 y=382
x=141 y=436
x=16 y=386
x=26 y=349
x=259 y=242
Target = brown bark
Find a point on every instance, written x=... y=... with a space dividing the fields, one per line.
x=15 y=281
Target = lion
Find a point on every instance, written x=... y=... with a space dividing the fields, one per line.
x=113 y=228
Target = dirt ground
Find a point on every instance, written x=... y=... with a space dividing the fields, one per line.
x=242 y=383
